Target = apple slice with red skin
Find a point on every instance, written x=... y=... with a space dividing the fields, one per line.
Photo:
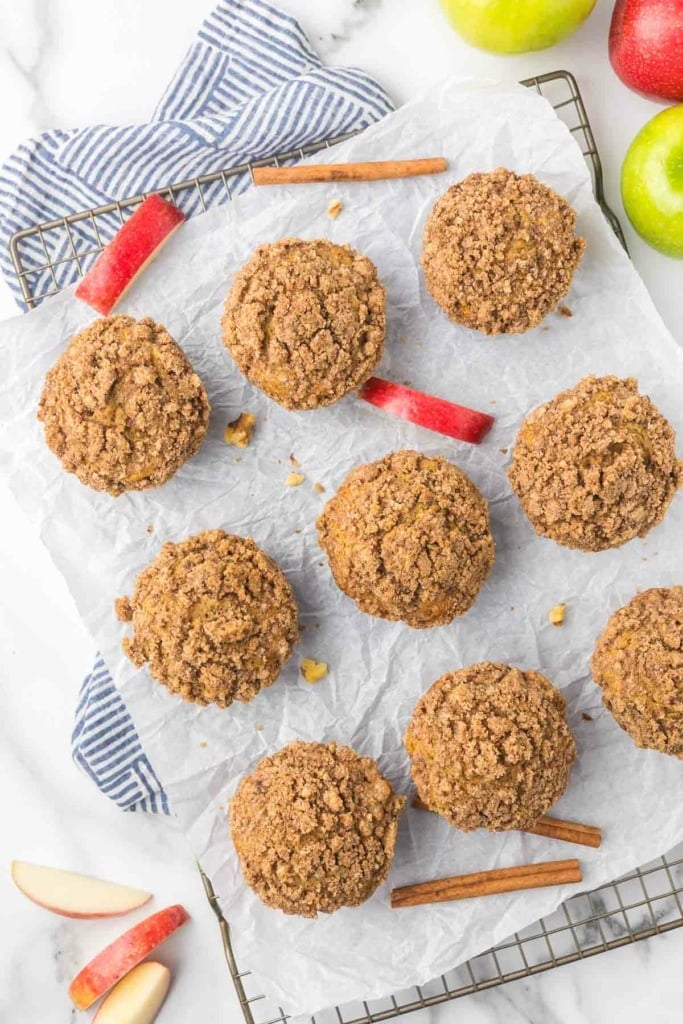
x=128 y=253
x=427 y=411
x=137 y=998
x=74 y=895
x=117 y=959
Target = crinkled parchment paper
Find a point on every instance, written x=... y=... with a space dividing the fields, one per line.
x=377 y=669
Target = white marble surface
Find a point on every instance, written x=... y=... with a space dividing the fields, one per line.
x=71 y=62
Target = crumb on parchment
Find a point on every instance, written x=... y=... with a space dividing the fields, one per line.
x=238 y=432
x=294 y=479
x=313 y=671
x=335 y=208
x=557 y=614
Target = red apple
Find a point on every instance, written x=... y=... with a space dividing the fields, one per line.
x=73 y=895
x=128 y=253
x=646 y=46
x=117 y=959
x=137 y=998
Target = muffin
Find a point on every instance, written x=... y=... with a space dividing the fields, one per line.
x=638 y=663
x=214 y=618
x=596 y=466
x=304 y=321
x=407 y=537
x=314 y=827
x=122 y=407
x=499 y=251
x=490 y=747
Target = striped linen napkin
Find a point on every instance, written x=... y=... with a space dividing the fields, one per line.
x=250 y=87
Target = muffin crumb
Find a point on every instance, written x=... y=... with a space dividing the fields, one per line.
x=238 y=432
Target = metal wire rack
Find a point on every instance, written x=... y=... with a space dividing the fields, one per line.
x=646 y=902
x=50 y=256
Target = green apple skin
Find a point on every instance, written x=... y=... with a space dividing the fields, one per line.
x=516 y=26
x=652 y=182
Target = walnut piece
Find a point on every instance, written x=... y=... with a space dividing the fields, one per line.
x=238 y=432
x=556 y=615
x=313 y=671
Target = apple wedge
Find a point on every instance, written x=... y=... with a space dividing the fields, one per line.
x=128 y=253
x=74 y=895
x=137 y=998
x=126 y=952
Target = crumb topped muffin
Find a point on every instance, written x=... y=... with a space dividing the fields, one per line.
x=596 y=466
x=638 y=663
x=490 y=747
x=213 y=616
x=499 y=251
x=407 y=537
x=122 y=407
x=305 y=321
x=314 y=827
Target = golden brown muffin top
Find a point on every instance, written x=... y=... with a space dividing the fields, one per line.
x=214 y=617
x=499 y=251
x=122 y=407
x=407 y=537
x=638 y=662
x=490 y=747
x=314 y=827
x=596 y=466
x=304 y=321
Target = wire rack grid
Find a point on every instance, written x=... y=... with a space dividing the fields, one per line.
x=646 y=902
x=50 y=256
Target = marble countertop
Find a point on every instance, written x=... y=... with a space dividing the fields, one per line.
x=72 y=62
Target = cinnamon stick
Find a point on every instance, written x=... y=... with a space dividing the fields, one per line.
x=487 y=883
x=369 y=171
x=552 y=828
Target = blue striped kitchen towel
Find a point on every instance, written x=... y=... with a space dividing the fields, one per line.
x=250 y=87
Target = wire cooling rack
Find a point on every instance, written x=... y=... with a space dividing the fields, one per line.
x=47 y=257
x=646 y=902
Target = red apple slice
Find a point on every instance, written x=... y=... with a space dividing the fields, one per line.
x=137 y=998
x=427 y=411
x=128 y=253
x=73 y=895
x=117 y=959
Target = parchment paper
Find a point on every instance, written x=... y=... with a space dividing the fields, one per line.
x=377 y=669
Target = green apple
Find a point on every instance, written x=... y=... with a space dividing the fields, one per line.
x=516 y=26
x=652 y=182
